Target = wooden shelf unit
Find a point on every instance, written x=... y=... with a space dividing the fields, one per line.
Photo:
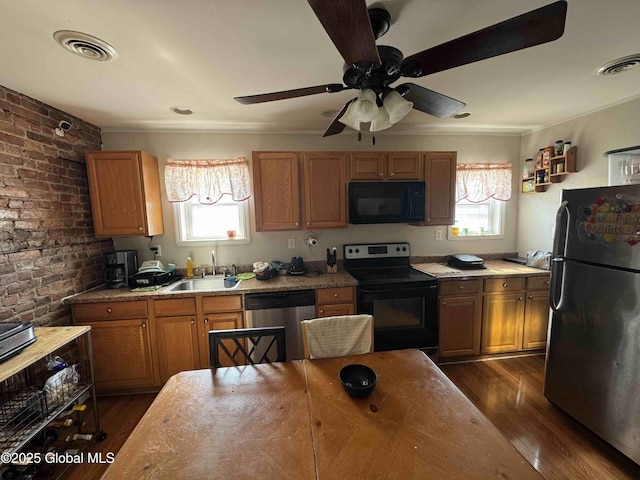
x=566 y=162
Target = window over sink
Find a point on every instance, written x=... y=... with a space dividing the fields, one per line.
x=225 y=221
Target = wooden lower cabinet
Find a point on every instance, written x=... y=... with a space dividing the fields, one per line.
x=460 y=318
x=177 y=345
x=161 y=338
x=216 y=321
x=122 y=354
x=502 y=322
x=333 y=302
x=492 y=315
x=536 y=313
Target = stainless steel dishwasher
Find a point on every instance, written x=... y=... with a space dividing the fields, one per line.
x=286 y=309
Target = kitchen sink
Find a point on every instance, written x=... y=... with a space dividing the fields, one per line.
x=206 y=284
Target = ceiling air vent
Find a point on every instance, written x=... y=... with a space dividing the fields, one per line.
x=619 y=65
x=87 y=46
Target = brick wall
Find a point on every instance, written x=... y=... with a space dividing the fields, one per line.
x=47 y=247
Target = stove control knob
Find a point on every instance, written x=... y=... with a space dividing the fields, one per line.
x=357 y=250
x=351 y=250
x=397 y=249
x=404 y=249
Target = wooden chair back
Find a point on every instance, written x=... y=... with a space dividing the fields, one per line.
x=247 y=346
x=337 y=336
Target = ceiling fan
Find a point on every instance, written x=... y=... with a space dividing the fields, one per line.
x=372 y=68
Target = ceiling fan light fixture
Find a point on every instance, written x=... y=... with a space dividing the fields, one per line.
x=365 y=107
x=349 y=118
x=381 y=122
x=396 y=106
x=461 y=115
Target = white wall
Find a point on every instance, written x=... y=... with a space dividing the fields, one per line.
x=594 y=134
x=273 y=246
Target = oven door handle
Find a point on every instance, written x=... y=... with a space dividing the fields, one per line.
x=389 y=289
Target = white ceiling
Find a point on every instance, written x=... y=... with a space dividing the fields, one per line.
x=202 y=53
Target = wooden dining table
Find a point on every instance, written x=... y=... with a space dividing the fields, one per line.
x=293 y=420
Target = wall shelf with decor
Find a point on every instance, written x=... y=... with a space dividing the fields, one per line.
x=553 y=170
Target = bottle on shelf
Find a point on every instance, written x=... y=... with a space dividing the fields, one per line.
x=559 y=145
x=566 y=147
x=527 y=170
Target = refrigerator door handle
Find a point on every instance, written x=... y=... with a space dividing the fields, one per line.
x=557 y=275
x=562 y=230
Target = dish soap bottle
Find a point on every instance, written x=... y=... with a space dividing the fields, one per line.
x=189 y=267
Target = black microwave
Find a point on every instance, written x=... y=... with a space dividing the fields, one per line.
x=386 y=202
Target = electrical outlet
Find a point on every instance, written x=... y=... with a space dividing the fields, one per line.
x=292 y=243
x=156 y=249
x=439 y=234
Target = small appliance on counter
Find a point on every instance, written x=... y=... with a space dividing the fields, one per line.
x=297 y=266
x=465 y=261
x=264 y=270
x=151 y=273
x=121 y=265
x=14 y=336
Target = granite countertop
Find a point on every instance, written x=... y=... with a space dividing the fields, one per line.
x=277 y=283
x=495 y=268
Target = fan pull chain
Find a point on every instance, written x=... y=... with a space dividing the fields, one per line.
x=373 y=139
x=359 y=135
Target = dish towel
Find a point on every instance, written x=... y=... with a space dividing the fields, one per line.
x=339 y=336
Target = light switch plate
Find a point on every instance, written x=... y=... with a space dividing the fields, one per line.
x=292 y=243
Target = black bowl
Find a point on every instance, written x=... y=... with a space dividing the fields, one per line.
x=358 y=380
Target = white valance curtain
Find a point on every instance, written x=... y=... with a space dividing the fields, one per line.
x=478 y=182
x=208 y=180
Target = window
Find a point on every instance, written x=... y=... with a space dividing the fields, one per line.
x=209 y=198
x=207 y=223
x=481 y=193
x=484 y=218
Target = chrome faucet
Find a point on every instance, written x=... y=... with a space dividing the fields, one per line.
x=213 y=262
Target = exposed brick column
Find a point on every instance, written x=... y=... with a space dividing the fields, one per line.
x=47 y=247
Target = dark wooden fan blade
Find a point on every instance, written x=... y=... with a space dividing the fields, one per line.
x=337 y=127
x=298 y=92
x=534 y=28
x=430 y=102
x=347 y=23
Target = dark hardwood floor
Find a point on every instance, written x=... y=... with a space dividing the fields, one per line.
x=118 y=417
x=509 y=393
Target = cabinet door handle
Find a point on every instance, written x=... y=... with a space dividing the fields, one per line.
x=391 y=174
x=192 y=321
x=444 y=303
x=206 y=320
x=461 y=287
x=505 y=285
x=139 y=229
x=520 y=298
x=335 y=294
x=308 y=223
x=144 y=325
x=321 y=311
x=530 y=297
x=380 y=174
x=109 y=310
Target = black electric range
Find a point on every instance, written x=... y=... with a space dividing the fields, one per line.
x=402 y=300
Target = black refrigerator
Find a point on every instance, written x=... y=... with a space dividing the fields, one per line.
x=593 y=353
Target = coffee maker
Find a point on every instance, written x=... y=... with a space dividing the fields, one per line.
x=120 y=265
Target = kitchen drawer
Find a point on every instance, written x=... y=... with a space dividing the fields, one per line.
x=460 y=287
x=538 y=283
x=174 y=306
x=334 y=295
x=506 y=284
x=222 y=303
x=83 y=312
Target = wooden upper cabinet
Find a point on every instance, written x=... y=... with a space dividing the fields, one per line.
x=276 y=187
x=367 y=166
x=125 y=193
x=440 y=179
x=386 y=166
x=404 y=166
x=325 y=197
